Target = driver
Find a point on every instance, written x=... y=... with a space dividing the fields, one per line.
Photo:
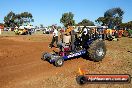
x=85 y=36
x=67 y=39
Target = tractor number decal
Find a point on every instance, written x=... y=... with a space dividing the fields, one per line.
x=73 y=55
x=76 y=54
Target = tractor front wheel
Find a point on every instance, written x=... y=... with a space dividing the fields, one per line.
x=43 y=56
x=59 y=62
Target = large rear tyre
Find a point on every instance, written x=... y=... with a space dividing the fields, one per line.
x=97 y=50
x=59 y=62
x=81 y=80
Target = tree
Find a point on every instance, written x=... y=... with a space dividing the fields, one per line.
x=86 y=22
x=115 y=16
x=127 y=25
x=123 y=25
x=41 y=26
x=112 y=17
x=67 y=19
x=102 y=20
x=23 y=18
x=58 y=27
x=9 y=19
x=13 y=19
x=114 y=12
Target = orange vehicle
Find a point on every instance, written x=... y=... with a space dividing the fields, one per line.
x=21 y=32
x=109 y=31
x=69 y=29
x=120 y=33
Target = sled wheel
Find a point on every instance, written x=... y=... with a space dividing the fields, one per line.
x=81 y=80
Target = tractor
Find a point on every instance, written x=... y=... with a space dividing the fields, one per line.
x=88 y=47
x=21 y=31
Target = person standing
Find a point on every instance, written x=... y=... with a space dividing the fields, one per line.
x=54 y=38
x=71 y=30
x=29 y=31
x=85 y=36
x=73 y=34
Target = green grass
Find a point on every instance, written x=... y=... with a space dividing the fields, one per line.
x=38 y=33
x=7 y=33
x=12 y=33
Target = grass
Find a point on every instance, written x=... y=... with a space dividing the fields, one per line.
x=38 y=33
x=12 y=33
x=38 y=36
x=7 y=33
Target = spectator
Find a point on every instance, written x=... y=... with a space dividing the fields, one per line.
x=29 y=31
x=55 y=37
x=85 y=36
x=116 y=34
x=71 y=30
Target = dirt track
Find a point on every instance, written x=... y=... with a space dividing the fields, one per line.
x=21 y=65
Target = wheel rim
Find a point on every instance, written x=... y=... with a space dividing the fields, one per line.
x=100 y=52
x=44 y=55
x=60 y=62
x=82 y=81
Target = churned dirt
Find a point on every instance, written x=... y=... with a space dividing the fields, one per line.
x=21 y=65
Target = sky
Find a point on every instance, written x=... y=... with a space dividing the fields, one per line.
x=48 y=12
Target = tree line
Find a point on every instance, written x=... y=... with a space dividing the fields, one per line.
x=112 y=18
x=12 y=19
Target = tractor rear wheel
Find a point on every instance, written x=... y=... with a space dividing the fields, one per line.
x=97 y=50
